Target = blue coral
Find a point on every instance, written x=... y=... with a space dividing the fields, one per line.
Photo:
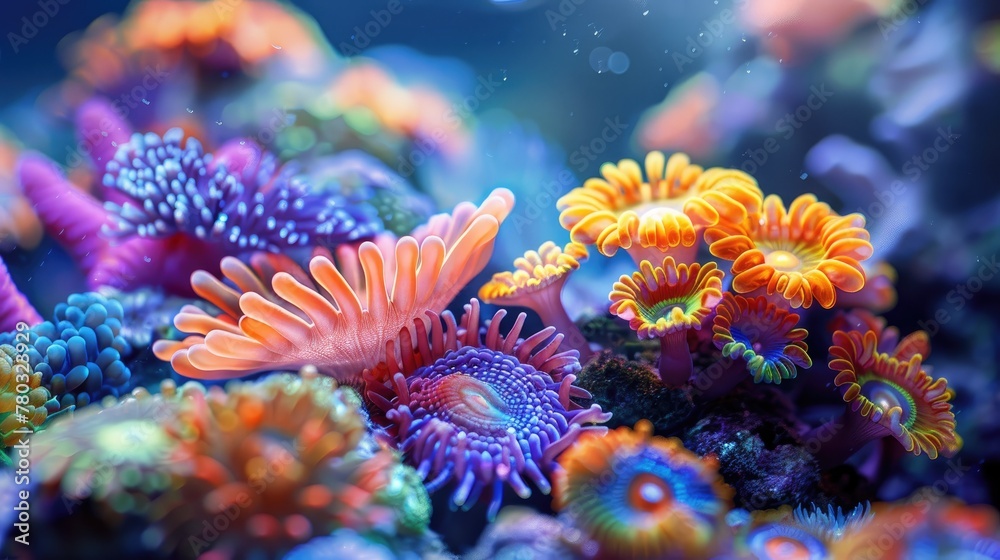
x=80 y=352
x=832 y=523
x=177 y=189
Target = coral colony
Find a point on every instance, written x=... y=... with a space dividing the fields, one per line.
x=266 y=340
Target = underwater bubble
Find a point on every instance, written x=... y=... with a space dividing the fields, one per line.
x=599 y=59
x=618 y=62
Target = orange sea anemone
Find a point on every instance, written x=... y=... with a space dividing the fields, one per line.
x=682 y=121
x=887 y=396
x=286 y=452
x=889 y=340
x=879 y=292
x=642 y=496
x=536 y=283
x=805 y=253
x=663 y=213
x=255 y=31
x=665 y=302
x=340 y=317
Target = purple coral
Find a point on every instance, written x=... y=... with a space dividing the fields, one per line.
x=481 y=412
x=14 y=307
x=169 y=207
x=234 y=198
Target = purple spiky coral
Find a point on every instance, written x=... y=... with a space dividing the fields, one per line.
x=234 y=198
x=177 y=208
x=481 y=411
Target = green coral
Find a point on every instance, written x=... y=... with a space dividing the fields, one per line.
x=32 y=412
x=406 y=495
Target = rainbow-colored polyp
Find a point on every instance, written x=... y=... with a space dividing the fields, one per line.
x=642 y=496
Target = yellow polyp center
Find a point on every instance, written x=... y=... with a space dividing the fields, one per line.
x=660 y=207
x=783 y=260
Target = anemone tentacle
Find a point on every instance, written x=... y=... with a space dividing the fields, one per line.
x=233 y=198
x=340 y=317
x=887 y=396
x=889 y=339
x=665 y=302
x=663 y=213
x=101 y=129
x=536 y=283
x=832 y=523
x=804 y=253
x=75 y=219
x=761 y=334
x=481 y=411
